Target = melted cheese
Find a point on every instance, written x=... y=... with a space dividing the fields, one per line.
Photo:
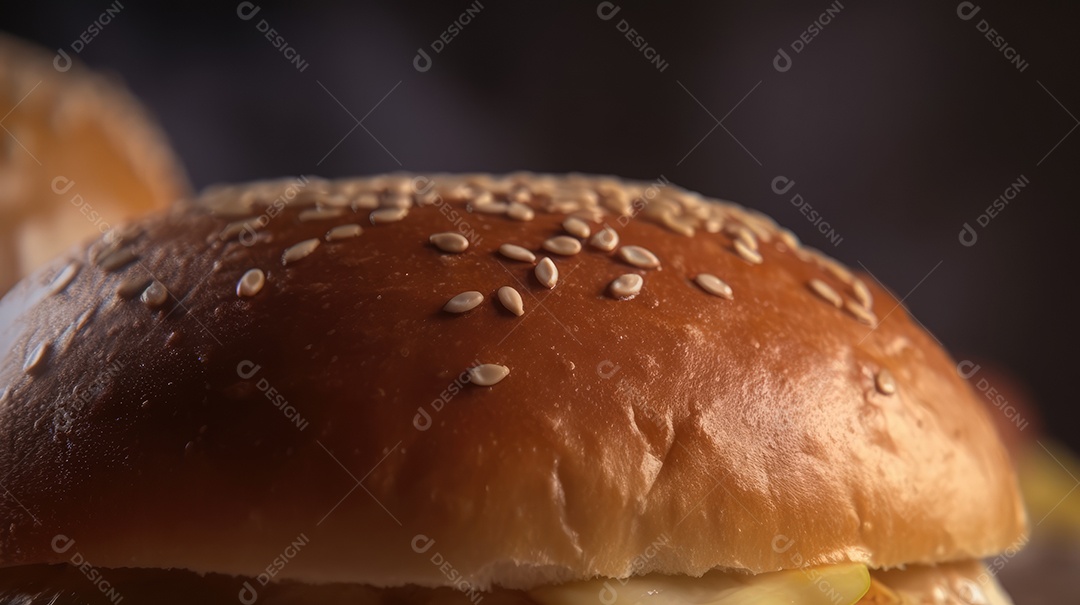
x=961 y=583
x=830 y=585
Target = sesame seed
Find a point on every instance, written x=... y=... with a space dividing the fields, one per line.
x=124 y=234
x=619 y=203
x=639 y=257
x=466 y=301
x=154 y=295
x=562 y=244
x=71 y=332
x=714 y=285
x=520 y=193
x=747 y=254
x=458 y=191
x=588 y=196
x=861 y=313
x=335 y=200
x=387 y=215
x=343 y=232
x=116 y=260
x=428 y=197
x=564 y=206
x=675 y=224
x=761 y=225
x=133 y=285
x=834 y=267
x=318 y=214
x=236 y=228
x=229 y=206
x=36 y=358
x=251 y=283
x=397 y=184
x=366 y=201
x=517 y=253
x=825 y=291
x=80 y=323
x=63 y=278
x=788 y=238
x=595 y=214
x=450 y=242
x=746 y=236
x=486 y=206
x=884 y=382
x=626 y=286
x=298 y=251
x=397 y=200
x=862 y=293
x=605 y=239
x=511 y=299
x=576 y=227
x=487 y=374
x=547 y=273
x=520 y=212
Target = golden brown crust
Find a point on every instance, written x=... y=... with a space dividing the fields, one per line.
x=770 y=431
x=79 y=155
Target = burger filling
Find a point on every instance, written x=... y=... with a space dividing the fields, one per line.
x=847 y=584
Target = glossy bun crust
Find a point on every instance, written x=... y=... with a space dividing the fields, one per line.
x=158 y=418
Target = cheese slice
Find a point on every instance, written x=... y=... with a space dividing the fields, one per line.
x=960 y=583
x=828 y=585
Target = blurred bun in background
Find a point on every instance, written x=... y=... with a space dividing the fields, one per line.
x=80 y=154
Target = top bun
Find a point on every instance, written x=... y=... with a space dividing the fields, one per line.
x=269 y=369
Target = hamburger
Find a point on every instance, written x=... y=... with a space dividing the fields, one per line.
x=527 y=389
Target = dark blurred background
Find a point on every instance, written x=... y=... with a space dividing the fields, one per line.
x=898 y=122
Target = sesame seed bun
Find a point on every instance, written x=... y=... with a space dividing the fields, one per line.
x=80 y=155
x=296 y=358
